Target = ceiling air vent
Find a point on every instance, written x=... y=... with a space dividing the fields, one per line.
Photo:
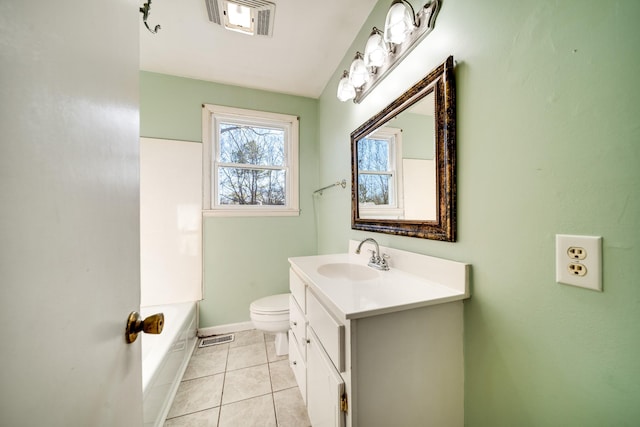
x=254 y=17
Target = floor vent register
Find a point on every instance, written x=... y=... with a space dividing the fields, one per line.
x=215 y=340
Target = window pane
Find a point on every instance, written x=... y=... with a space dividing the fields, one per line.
x=373 y=154
x=238 y=186
x=373 y=189
x=251 y=145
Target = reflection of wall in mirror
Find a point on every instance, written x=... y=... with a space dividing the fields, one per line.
x=418 y=135
x=419 y=181
x=418 y=166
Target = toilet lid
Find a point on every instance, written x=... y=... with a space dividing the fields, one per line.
x=271 y=304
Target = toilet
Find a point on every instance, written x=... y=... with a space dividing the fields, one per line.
x=271 y=314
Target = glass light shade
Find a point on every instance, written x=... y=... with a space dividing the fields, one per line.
x=399 y=23
x=375 y=51
x=346 y=91
x=358 y=73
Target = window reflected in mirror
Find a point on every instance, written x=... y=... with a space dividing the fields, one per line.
x=378 y=184
x=396 y=167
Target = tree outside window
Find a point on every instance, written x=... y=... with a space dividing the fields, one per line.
x=251 y=168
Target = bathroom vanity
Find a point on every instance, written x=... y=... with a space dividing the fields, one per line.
x=378 y=348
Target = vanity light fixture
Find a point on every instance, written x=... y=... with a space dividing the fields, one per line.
x=384 y=50
x=346 y=91
x=358 y=72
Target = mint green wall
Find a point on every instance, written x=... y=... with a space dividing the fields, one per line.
x=244 y=258
x=548 y=142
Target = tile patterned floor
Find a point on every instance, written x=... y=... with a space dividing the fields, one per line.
x=239 y=384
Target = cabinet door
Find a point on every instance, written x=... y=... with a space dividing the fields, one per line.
x=325 y=386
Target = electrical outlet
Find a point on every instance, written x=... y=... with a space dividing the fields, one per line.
x=579 y=261
x=577 y=269
x=576 y=252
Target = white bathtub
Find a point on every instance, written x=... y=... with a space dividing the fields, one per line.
x=165 y=358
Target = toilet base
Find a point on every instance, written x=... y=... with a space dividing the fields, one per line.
x=282 y=344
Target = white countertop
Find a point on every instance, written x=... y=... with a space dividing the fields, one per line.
x=385 y=292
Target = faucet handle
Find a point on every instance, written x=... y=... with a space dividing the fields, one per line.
x=374 y=256
x=383 y=260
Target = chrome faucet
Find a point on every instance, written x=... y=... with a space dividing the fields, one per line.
x=377 y=261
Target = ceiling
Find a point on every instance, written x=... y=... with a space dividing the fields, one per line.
x=309 y=40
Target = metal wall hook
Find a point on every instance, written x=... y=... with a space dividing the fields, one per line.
x=145 y=10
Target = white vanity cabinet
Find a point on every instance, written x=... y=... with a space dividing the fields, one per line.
x=316 y=361
x=374 y=354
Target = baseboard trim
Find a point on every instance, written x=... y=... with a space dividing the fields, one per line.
x=225 y=329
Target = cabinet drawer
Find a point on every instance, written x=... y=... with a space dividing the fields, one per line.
x=298 y=325
x=298 y=366
x=297 y=287
x=329 y=330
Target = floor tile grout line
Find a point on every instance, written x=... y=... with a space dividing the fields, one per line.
x=273 y=399
x=224 y=380
x=245 y=399
x=191 y=413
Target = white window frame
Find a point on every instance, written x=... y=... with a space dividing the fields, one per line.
x=396 y=209
x=212 y=115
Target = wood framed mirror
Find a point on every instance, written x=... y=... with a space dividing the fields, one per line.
x=403 y=163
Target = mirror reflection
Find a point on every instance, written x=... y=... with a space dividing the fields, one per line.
x=396 y=166
x=403 y=163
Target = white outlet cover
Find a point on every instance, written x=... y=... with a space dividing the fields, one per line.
x=592 y=262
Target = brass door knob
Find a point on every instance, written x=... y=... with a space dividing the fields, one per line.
x=151 y=325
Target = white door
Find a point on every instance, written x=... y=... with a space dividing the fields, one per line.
x=69 y=226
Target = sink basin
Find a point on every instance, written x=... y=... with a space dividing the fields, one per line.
x=345 y=270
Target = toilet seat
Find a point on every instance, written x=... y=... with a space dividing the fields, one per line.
x=270 y=317
x=271 y=305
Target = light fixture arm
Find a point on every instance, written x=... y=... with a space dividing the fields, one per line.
x=145 y=10
x=413 y=12
x=376 y=30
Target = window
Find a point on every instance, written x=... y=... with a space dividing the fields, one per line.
x=251 y=162
x=379 y=174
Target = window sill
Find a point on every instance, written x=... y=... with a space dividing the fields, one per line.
x=244 y=212
x=381 y=211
